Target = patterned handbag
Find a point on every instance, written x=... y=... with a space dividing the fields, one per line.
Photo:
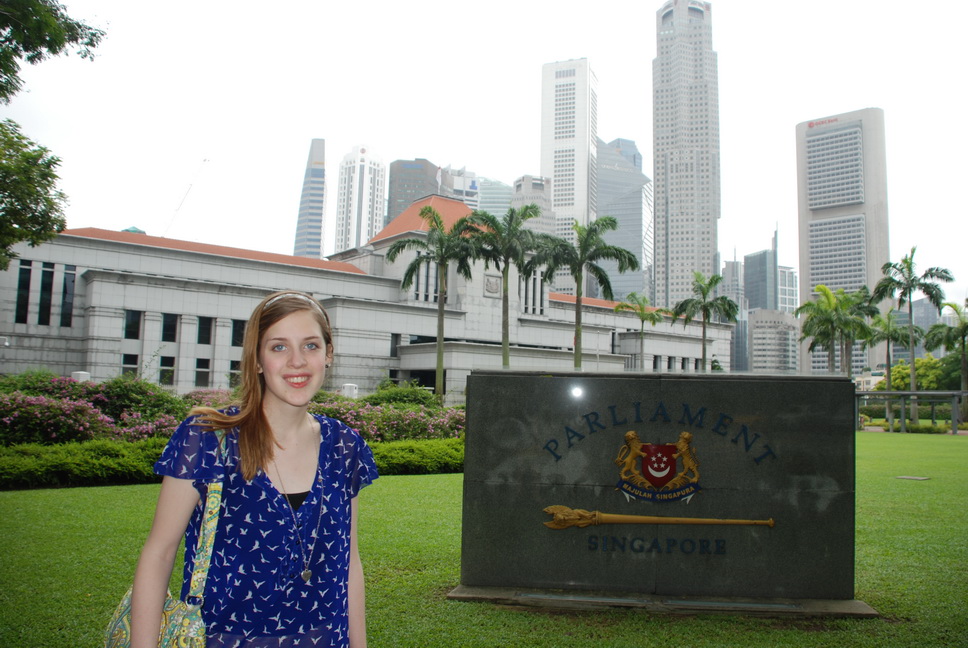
x=181 y=622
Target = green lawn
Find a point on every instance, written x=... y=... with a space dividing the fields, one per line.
x=66 y=556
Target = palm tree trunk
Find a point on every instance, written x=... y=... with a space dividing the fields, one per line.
x=914 y=379
x=964 y=379
x=578 y=325
x=642 y=347
x=441 y=299
x=505 y=319
x=704 y=345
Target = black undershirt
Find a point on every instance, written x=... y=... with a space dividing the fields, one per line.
x=296 y=499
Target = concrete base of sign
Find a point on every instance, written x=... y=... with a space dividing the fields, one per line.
x=586 y=600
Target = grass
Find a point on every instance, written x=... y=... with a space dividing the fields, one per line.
x=66 y=556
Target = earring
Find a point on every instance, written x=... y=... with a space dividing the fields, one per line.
x=329 y=364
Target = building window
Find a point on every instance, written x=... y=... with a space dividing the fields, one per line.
x=129 y=365
x=238 y=332
x=23 y=292
x=46 y=294
x=394 y=345
x=235 y=373
x=167 y=374
x=169 y=327
x=205 y=330
x=67 y=297
x=132 y=324
x=202 y=372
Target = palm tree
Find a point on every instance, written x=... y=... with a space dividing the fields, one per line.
x=902 y=279
x=506 y=242
x=440 y=247
x=820 y=324
x=639 y=305
x=953 y=338
x=885 y=329
x=583 y=256
x=854 y=310
x=837 y=320
x=705 y=306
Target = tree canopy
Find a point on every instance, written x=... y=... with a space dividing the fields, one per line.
x=32 y=31
x=31 y=206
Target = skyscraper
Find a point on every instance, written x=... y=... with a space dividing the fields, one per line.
x=624 y=193
x=312 y=204
x=495 y=196
x=360 y=201
x=761 y=280
x=842 y=201
x=842 y=204
x=569 y=142
x=410 y=180
x=529 y=190
x=685 y=143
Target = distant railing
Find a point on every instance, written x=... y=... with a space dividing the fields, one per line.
x=905 y=399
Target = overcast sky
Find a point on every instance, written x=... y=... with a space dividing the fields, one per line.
x=195 y=119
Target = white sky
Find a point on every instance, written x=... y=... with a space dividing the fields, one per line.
x=195 y=119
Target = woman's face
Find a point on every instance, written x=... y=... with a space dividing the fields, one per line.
x=292 y=359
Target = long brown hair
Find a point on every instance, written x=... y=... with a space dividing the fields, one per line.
x=255 y=435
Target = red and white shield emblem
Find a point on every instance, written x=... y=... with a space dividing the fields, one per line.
x=658 y=463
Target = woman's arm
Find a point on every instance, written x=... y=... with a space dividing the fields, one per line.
x=176 y=502
x=357 y=598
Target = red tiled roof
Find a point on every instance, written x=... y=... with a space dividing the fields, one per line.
x=205 y=248
x=585 y=301
x=409 y=220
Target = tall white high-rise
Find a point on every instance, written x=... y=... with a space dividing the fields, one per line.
x=361 y=198
x=312 y=204
x=685 y=142
x=842 y=204
x=569 y=143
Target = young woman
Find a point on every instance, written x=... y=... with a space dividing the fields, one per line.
x=285 y=569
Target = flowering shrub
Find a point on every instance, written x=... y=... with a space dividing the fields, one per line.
x=44 y=383
x=54 y=410
x=151 y=401
x=377 y=423
x=216 y=398
x=134 y=427
x=39 y=419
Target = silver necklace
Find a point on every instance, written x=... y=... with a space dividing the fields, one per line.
x=306 y=573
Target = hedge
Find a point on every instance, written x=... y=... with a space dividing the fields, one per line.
x=102 y=462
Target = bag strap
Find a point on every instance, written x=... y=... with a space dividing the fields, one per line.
x=206 y=536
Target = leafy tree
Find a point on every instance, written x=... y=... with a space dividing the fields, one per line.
x=639 y=305
x=31 y=206
x=583 y=256
x=902 y=279
x=506 y=242
x=929 y=374
x=705 y=305
x=440 y=248
x=953 y=338
x=33 y=30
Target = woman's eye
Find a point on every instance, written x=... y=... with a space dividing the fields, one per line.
x=279 y=347
x=312 y=346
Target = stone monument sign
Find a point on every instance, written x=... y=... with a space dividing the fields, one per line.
x=650 y=485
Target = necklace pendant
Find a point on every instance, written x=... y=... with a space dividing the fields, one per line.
x=306 y=575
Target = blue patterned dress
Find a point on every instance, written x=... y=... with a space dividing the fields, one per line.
x=254 y=594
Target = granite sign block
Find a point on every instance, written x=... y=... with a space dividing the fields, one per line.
x=677 y=485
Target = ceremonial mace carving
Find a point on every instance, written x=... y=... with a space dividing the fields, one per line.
x=564 y=517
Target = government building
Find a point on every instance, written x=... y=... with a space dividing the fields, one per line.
x=173 y=312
